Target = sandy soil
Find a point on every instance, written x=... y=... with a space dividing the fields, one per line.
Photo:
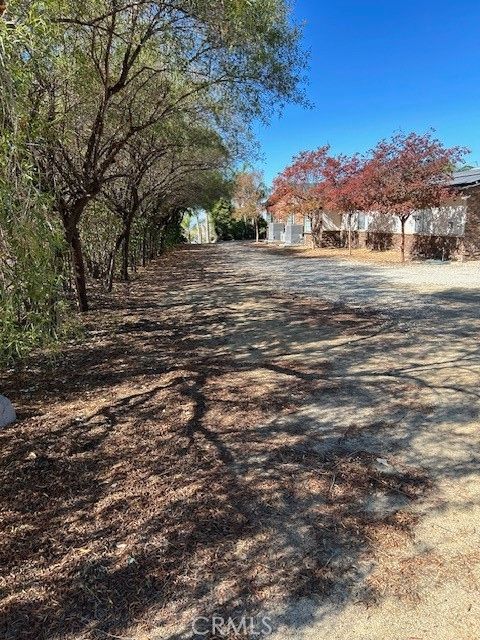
x=244 y=434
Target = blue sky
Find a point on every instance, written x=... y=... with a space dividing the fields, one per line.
x=378 y=66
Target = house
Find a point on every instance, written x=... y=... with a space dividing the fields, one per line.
x=452 y=231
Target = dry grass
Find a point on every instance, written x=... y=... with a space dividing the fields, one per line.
x=387 y=257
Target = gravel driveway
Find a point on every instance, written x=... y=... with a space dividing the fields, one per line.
x=406 y=291
x=411 y=391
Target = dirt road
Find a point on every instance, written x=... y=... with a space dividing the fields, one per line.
x=249 y=435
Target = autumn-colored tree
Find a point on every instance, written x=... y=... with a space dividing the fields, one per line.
x=344 y=188
x=409 y=172
x=300 y=189
x=248 y=196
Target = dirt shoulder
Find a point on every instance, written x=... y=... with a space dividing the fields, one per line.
x=386 y=257
x=217 y=446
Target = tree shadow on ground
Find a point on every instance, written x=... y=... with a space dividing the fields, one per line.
x=232 y=453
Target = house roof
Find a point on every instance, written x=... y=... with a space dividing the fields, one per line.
x=467 y=178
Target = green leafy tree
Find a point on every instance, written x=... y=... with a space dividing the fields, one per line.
x=223 y=220
x=33 y=307
x=105 y=72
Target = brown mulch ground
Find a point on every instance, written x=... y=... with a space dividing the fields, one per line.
x=154 y=472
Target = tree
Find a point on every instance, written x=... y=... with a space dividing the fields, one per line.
x=156 y=169
x=343 y=187
x=227 y=224
x=223 y=220
x=105 y=72
x=102 y=103
x=248 y=196
x=32 y=275
x=123 y=195
x=186 y=189
x=409 y=172
x=300 y=189
x=187 y=222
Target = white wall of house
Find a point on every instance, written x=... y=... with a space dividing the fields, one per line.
x=441 y=221
x=332 y=221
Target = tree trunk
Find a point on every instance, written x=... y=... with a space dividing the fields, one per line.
x=144 y=249
x=110 y=271
x=78 y=269
x=125 y=254
x=199 y=230
x=150 y=246
x=349 y=234
x=126 y=250
x=317 y=230
x=71 y=216
x=134 y=260
x=207 y=228
x=257 y=231
x=402 y=245
x=111 y=261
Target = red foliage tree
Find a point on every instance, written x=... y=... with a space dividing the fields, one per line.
x=344 y=187
x=299 y=189
x=409 y=172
